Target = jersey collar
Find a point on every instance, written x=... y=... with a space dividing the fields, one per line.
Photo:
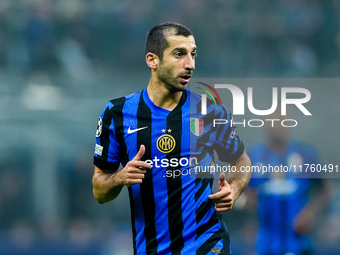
x=159 y=110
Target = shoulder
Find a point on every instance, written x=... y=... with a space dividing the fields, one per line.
x=113 y=108
x=118 y=103
x=194 y=98
x=121 y=100
x=213 y=105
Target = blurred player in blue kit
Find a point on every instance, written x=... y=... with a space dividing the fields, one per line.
x=149 y=133
x=287 y=203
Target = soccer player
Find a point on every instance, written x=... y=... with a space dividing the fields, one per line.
x=149 y=133
x=287 y=203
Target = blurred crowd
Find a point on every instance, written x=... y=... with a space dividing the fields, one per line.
x=79 y=48
x=263 y=38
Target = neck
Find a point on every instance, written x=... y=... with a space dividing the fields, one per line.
x=161 y=96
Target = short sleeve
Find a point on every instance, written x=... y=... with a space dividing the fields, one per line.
x=107 y=148
x=228 y=145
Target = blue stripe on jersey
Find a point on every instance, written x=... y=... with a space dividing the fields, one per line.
x=219 y=245
x=189 y=187
x=157 y=224
x=114 y=144
x=160 y=191
x=137 y=217
x=214 y=232
x=144 y=136
x=108 y=141
x=130 y=121
x=159 y=122
x=277 y=210
x=223 y=137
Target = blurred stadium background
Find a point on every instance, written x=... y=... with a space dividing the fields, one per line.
x=62 y=60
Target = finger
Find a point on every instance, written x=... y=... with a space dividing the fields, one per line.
x=131 y=182
x=136 y=176
x=214 y=196
x=139 y=165
x=222 y=177
x=223 y=209
x=140 y=153
x=219 y=195
x=134 y=170
x=222 y=181
x=227 y=199
x=222 y=201
x=223 y=205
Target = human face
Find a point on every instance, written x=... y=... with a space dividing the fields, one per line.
x=178 y=63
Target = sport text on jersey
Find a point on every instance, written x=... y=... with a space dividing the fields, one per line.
x=175 y=167
x=179 y=166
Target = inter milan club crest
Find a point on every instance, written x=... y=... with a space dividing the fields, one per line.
x=196 y=126
x=166 y=143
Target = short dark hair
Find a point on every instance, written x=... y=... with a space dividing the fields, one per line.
x=156 y=41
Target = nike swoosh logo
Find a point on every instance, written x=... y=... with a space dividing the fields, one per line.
x=130 y=131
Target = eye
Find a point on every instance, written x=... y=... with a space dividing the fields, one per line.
x=178 y=53
x=194 y=54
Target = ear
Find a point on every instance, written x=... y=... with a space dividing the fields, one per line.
x=152 y=60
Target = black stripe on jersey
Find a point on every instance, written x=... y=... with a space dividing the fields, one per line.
x=205 y=206
x=144 y=116
x=226 y=240
x=205 y=183
x=208 y=119
x=105 y=136
x=134 y=234
x=174 y=185
x=239 y=152
x=199 y=104
x=119 y=131
x=239 y=143
x=115 y=111
x=210 y=243
x=223 y=115
x=211 y=222
x=102 y=164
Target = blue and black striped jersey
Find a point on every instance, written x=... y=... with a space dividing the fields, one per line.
x=280 y=199
x=170 y=211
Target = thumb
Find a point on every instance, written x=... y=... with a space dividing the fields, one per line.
x=222 y=182
x=140 y=153
x=222 y=177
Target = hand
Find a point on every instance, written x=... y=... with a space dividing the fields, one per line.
x=134 y=171
x=303 y=221
x=223 y=199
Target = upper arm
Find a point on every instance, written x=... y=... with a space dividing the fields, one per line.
x=105 y=187
x=228 y=145
x=243 y=160
x=242 y=164
x=100 y=171
x=107 y=149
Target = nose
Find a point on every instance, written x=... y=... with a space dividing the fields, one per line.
x=189 y=62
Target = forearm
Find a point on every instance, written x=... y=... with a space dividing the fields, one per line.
x=237 y=179
x=106 y=186
x=320 y=198
x=303 y=221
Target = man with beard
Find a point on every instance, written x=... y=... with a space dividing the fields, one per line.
x=148 y=132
